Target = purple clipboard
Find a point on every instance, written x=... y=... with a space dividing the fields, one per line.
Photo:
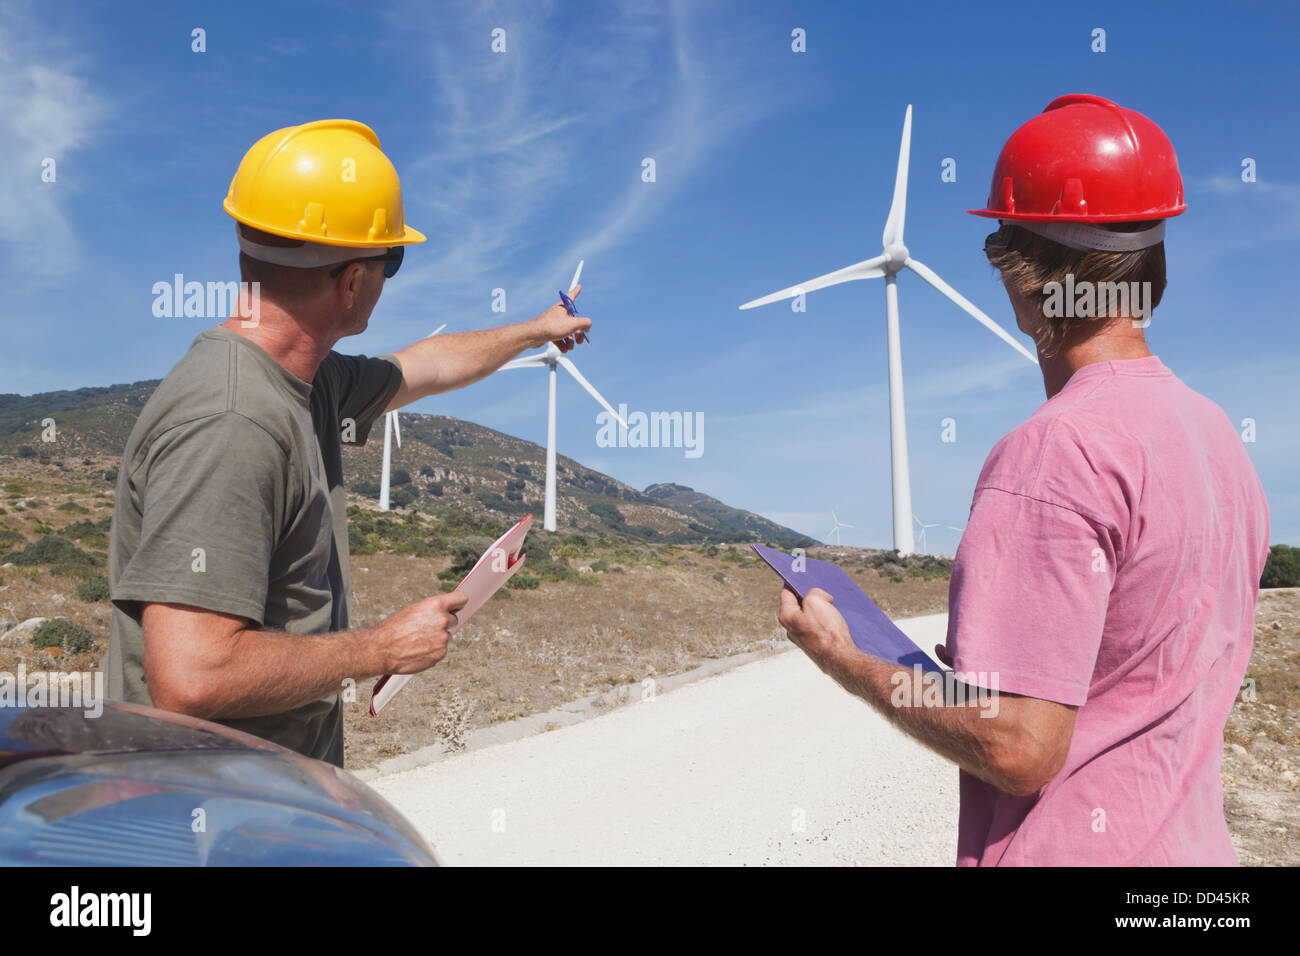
x=871 y=629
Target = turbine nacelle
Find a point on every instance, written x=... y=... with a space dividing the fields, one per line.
x=896 y=256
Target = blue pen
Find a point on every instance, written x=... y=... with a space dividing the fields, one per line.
x=568 y=303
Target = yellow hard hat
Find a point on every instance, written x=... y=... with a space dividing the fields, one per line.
x=326 y=182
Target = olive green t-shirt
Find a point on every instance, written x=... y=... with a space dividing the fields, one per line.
x=231 y=498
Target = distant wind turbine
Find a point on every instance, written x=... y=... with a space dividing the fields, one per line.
x=895 y=258
x=924 y=548
x=393 y=430
x=551 y=357
x=838 y=524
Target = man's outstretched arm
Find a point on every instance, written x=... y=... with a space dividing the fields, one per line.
x=1018 y=747
x=442 y=363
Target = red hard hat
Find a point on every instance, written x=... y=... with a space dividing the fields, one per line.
x=1086 y=159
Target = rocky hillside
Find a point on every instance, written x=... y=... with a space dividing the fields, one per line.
x=445 y=466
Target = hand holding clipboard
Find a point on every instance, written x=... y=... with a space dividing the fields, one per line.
x=497 y=565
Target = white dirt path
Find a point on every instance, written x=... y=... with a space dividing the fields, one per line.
x=769 y=763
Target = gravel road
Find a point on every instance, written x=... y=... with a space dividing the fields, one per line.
x=769 y=763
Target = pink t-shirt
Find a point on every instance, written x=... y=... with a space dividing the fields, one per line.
x=1112 y=561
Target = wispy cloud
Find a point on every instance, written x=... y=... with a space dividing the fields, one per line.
x=1274 y=207
x=49 y=114
x=511 y=134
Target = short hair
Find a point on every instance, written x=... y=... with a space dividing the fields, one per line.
x=284 y=284
x=1029 y=262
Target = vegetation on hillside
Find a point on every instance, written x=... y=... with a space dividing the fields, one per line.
x=1282 y=569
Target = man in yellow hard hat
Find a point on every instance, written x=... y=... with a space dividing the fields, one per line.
x=228 y=564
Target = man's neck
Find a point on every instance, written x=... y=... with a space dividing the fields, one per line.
x=1120 y=340
x=297 y=345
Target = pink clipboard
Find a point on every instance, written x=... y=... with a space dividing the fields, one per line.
x=497 y=566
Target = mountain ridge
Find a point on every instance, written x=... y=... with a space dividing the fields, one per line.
x=445 y=464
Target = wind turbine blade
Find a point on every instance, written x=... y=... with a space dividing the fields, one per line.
x=930 y=276
x=397 y=429
x=843 y=525
x=870 y=269
x=591 y=389
x=834 y=516
x=528 y=361
x=951 y=528
x=576 y=275
x=898 y=208
x=436 y=331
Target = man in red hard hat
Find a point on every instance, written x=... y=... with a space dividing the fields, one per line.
x=1108 y=573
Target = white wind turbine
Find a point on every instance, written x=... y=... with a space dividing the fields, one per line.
x=895 y=258
x=838 y=524
x=924 y=548
x=393 y=430
x=551 y=357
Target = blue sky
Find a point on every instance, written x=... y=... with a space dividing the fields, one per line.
x=771 y=167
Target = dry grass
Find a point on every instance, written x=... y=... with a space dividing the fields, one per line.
x=536 y=650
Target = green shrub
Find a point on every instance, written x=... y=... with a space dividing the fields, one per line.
x=60 y=632
x=93 y=534
x=490 y=499
x=609 y=514
x=54 y=550
x=465 y=554
x=1282 y=569
x=73 y=506
x=524 y=581
x=94 y=589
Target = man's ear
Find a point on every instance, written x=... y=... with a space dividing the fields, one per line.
x=349 y=283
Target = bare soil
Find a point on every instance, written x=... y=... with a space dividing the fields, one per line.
x=1261 y=742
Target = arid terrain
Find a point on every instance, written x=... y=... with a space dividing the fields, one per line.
x=598 y=613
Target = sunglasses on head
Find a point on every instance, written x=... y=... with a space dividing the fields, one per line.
x=392 y=260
